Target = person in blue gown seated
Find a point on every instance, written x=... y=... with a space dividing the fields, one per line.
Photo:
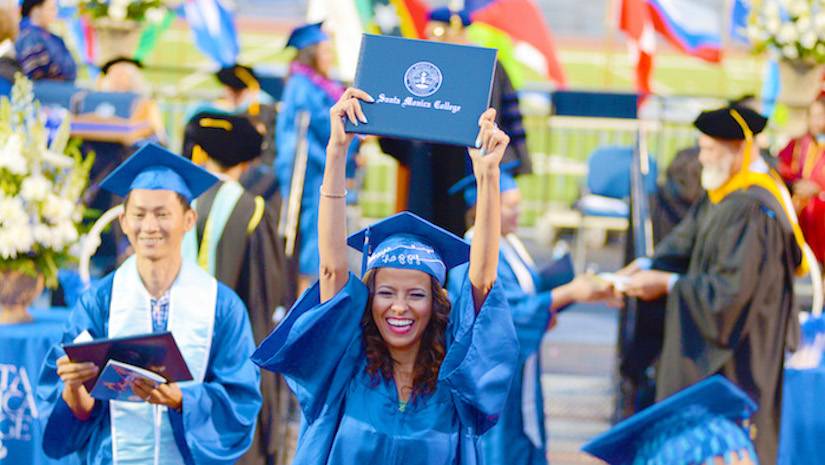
x=387 y=369
x=519 y=436
x=207 y=421
x=308 y=89
x=42 y=54
x=705 y=424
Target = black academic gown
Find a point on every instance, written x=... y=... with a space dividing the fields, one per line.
x=253 y=266
x=668 y=206
x=732 y=310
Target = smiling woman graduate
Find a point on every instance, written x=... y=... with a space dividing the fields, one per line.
x=388 y=370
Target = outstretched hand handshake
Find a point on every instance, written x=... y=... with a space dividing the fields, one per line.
x=634 y=281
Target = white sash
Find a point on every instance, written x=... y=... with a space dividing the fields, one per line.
x=519 y=260
x=142 y=434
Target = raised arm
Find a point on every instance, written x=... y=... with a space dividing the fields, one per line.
x=332 y=209
x=492 y=143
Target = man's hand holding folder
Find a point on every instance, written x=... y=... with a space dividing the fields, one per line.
x=155 y=352
x=74 y=392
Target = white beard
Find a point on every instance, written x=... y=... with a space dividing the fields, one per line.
x=714 y=176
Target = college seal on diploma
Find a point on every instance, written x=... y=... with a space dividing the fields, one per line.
x=423 y=90
x=423 y=79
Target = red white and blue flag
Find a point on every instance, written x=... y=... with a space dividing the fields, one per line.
x=693 y=28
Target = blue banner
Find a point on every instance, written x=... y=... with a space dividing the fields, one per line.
x=214 y=29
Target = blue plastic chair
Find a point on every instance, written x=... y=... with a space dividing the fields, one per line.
x=608 y=176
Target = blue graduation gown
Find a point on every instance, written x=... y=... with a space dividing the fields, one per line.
x=350 y=420
x=218 y=418
x=301 y=94
x=506 y=442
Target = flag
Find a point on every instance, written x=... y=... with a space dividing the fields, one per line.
x=214 y=29
x=740 y=11
x=488 y=36
x=347 y=20
x=692 y=27
x=771 y=85
x=406 y=18
x=151 y=35
x=523 y=22
x=635 y=22
x=80 y=31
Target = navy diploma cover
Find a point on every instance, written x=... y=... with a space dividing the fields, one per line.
x=423 y=90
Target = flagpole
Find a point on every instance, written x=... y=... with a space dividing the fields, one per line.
x=611 y=28
x=724 y=40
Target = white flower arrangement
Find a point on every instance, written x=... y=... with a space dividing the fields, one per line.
x=41 y=188
x=152 y=11
x=793 y=28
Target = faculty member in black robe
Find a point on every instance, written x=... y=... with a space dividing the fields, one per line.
x=728 y=272
x=236 y=240
x=668 y=206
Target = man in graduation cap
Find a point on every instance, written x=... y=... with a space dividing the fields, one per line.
x=209 y=420
x=702 y=425
x=728 y=272
x=235 y=239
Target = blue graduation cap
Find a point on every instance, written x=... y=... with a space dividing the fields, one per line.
x=306 y=35
x=155 y=168
x=692 y=426
x=444 y=15
x=406 y=241
x=468 y=183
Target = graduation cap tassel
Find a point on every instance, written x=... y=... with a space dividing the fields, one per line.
x=365 y=252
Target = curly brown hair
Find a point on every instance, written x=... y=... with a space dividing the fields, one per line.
x=432 y=351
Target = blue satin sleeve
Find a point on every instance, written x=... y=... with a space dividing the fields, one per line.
x=531 y=313
x=482 y=356
x=63 y=433
x=318 y=347
x=217 y=421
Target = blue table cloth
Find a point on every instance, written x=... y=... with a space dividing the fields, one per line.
x=22 y=350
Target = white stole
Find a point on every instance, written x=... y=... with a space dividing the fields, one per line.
x=519 y=261
x=141 y=433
